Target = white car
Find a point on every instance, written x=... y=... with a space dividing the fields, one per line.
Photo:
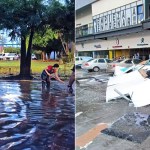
x=1 y=56
x=96 y=64
x=33 y=57
x=10 y=56
x=126 y=63
x=80 y=59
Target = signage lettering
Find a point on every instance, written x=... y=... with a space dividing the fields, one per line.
x=114 y=20
x=97 y=46
x=119 y=17
x=142 y=43
x=98 y=25
x=105 y=22
x=102 y=23
x=123 y=18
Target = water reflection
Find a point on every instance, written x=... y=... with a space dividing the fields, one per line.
x=32 y=118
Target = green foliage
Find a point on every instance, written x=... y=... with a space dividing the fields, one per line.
x=11 y=50
x=62 y=18
x=42 y=38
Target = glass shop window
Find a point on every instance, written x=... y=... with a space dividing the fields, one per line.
x=140 y=13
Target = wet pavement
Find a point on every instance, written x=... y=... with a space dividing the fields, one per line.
x=32 y=118
x=93 y=113
x=134 y=127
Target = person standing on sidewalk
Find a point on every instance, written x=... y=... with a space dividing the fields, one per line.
x=48 y=73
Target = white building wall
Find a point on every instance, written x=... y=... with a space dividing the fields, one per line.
x=102 y=6
x=84 y=17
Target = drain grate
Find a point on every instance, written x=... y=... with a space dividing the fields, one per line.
x=134 y=127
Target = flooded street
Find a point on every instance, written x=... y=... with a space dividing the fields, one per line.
x=32 y=118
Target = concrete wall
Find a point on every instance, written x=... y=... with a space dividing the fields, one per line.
x=82 y=3
x=106 y=5
x=84 y=17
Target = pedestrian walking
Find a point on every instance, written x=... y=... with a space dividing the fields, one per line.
x=71 y=80
x=48 y=73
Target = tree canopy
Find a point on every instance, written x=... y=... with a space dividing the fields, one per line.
x=25 y=17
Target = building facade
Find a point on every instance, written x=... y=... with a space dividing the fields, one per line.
x=113 y=29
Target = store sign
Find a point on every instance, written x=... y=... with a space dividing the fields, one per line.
x=97 y=46
x=142 y=43
x=117 y=44
x=117 y=18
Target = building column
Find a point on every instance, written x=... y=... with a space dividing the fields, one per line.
x=93 y=54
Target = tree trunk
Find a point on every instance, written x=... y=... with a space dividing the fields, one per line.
x=48 y=55
x=28 y=57
x=25 y=62
x=43 y=55
x=23 y=57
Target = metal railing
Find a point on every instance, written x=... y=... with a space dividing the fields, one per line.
x=80 y=31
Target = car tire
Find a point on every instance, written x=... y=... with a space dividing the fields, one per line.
x=96 y=69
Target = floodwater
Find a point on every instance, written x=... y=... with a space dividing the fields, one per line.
x=32 y=118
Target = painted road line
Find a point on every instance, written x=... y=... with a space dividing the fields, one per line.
x=87 y=138
x=77 y=114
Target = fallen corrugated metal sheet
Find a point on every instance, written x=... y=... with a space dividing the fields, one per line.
x=140 y=95
x=133 y=84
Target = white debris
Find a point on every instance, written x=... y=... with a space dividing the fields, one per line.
x=133 y=84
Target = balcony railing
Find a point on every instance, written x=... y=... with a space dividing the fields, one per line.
x=83 y=31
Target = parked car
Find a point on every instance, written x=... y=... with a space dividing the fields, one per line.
x=1 y=56
x=33 y=57
x=126 y=63
x=96 y=64
x=10 y=56
x=80 y=59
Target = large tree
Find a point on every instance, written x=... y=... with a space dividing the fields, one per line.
x=24 y=18
x=64 y=21
x=46 y=41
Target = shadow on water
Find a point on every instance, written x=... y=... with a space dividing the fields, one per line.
x=33 y=118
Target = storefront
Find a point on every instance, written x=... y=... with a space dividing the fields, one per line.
x=114 y=47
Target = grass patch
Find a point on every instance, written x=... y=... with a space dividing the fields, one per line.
x=36 y=66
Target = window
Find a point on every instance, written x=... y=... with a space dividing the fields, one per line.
x=128 y=61
x=78 y=32
x=136 y=61
x=140 y=13
x=101 y=61
x=90 y=30
x=95 y=61
x=85 y=30
x=108 y=60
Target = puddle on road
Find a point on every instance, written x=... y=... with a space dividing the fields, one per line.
x=134 y=127
x=32 y=118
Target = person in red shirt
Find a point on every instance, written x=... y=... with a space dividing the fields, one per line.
x=48 y=73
